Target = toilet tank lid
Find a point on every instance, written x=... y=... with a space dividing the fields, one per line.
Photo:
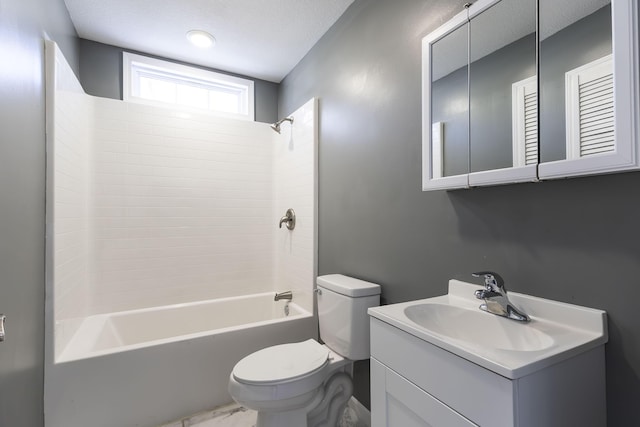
x=348 y=286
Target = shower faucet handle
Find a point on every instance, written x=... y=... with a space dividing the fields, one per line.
x=289 y=218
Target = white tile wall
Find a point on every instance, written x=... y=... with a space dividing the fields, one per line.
x=69 y=160
x=295 y=177
x=182 y=207
x=156 y=206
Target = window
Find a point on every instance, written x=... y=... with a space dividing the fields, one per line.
x=149 y=80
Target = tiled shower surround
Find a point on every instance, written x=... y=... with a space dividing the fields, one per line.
x=157 y=206
x=183 y=207
x=69 y=171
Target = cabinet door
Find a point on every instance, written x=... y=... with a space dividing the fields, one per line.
x=396 y=402
x=501 y=56
x=445 y=106
x=589 y=92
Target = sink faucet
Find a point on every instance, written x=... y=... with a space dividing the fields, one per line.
x=495 y=297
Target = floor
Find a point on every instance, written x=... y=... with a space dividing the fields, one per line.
x=228 y=416
x=237 y=416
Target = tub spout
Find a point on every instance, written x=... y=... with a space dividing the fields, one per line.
x=283 y=295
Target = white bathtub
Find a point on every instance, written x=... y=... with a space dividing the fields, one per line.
x=147 y=367
x=128 y=330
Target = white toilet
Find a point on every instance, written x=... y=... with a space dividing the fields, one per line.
x=307 y=384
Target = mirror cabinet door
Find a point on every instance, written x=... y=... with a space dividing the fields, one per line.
x=446 y=106
x=588 y=91
x=503 y=92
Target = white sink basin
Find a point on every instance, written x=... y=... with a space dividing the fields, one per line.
x=477 y=328
x=557 y=331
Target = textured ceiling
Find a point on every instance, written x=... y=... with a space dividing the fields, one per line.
x=259 y=38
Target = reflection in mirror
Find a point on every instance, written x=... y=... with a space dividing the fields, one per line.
x=450 y=104
x=503 y=86
x=576 y=79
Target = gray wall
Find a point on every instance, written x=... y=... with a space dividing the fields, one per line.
x=574 y=240
x=101 y=75
x=23 y=25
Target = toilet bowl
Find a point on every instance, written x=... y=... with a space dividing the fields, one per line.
x=307 y=384
x=284 y=383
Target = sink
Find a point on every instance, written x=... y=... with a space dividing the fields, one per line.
x=454 y=322
x=477 y=327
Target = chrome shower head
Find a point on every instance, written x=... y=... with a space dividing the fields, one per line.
x=276 y=126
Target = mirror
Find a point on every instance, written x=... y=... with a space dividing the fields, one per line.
x=588 y=66
x=450 y=104
x=480 y=97
x=575 y=63
x=502 y=89
x=577 y=115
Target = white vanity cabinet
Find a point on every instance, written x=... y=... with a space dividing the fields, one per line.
x=399 y=402
x=416 y=383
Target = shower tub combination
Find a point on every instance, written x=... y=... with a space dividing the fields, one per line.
x=150 y=366
x=148 y=207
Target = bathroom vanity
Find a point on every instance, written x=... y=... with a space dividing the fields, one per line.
x=442 y=362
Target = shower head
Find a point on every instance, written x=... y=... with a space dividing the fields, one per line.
x=276 y=126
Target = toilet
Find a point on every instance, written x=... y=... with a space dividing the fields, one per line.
x=307 y=384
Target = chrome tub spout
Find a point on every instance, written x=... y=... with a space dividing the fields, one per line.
x=283 y=295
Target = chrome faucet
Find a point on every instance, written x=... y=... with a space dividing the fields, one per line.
x=283 y=295
x=495 y=297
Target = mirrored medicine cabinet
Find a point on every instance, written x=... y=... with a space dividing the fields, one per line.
x=528 y=90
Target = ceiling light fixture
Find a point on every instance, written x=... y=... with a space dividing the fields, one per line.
x=201 y=38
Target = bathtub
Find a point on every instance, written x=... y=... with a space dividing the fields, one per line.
x=146 y=367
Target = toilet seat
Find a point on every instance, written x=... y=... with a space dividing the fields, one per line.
x=282 y=363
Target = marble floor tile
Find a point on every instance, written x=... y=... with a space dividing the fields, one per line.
x=237 y=416
x=227 y=416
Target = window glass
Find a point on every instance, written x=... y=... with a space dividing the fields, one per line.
x=150 y=80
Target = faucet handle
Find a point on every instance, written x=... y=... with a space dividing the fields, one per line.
x=492 y=281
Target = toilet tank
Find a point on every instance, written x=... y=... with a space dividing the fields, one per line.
x=342 y=313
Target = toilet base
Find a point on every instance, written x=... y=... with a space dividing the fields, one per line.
x=337 y=392
x=323 y=410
